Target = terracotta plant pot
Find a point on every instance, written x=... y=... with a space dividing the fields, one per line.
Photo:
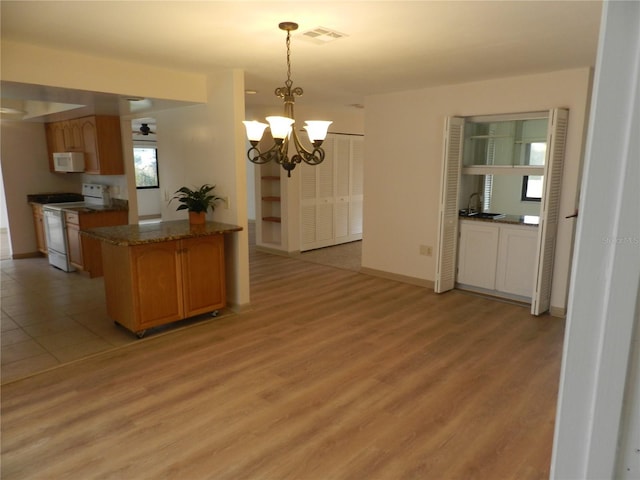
x=197 y=218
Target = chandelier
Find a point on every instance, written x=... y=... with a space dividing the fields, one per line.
x=282 y=128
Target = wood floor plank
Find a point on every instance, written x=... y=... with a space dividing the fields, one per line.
x=331 y=374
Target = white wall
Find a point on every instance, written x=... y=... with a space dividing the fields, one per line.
x=596 y=436
x=403 y=148
x=59 y=68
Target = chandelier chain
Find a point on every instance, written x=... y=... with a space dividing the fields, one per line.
x=288 y=83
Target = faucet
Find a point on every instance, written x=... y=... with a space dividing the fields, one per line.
x=478 y=203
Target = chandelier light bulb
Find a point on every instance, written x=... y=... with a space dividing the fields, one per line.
x=317 y=130
x=255 y=130
x=280 y=127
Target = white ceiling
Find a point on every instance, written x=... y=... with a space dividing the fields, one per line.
x=389 y=45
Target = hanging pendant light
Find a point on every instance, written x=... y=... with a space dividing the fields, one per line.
x=283 y=128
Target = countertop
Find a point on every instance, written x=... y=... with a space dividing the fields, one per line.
x=129 y=235
x=526 y=220
x=115 y=207
x=54 y=197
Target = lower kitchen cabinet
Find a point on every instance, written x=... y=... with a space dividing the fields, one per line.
x=515 y=269
x=478 y=254
x=157 y=283
x=84 y=252
x=38 y=223
x=497 y=258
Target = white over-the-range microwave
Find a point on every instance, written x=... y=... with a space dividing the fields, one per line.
x=68 y=162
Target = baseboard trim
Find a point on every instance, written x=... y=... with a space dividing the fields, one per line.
x=236 y=308
x=558 y=312
x=18 y=256
x=273 y=251
x=420 y=282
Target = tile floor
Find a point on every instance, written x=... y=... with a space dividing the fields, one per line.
x=49 y=317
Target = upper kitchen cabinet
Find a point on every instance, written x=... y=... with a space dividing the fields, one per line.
x=98 y=137
x=63 y=136
x=103 y=145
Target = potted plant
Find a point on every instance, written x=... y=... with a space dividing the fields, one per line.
x=197 y=202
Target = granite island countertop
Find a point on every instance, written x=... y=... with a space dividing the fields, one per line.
x=129 y=235
x=113 y=207
x=525 y=220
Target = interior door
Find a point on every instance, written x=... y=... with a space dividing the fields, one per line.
x=448 y=220
x=550 y=210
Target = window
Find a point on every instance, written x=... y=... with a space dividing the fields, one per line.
x=535 y=153
x=145 y=160
x=532 y=188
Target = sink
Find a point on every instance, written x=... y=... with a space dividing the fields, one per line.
x=472 y=214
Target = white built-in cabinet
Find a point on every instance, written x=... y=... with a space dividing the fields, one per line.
x=477 y=254
x=515 y=266
x=497 y=258
x=318 y=206
x=447 y=250
x=331 y=194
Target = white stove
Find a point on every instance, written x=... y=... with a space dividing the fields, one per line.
x=95 y=197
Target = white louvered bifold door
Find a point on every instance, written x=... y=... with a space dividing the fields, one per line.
x=308 y=180
x=357 y=187
x=342 y=169
x=550 y=210
x=325 y=198
x=331 y=194
x=448 y=226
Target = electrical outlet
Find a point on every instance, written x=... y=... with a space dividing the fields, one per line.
x=426 y=250
x=226 y=202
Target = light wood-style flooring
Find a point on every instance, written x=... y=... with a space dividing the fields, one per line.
x=332 y=375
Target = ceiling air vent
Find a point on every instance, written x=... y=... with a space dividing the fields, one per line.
x=322 y=35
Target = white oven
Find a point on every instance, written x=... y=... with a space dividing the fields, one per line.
x=56 y=230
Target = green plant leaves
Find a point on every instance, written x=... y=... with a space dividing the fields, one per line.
x=197 y=200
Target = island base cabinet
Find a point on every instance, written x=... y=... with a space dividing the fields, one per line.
x=158 y=283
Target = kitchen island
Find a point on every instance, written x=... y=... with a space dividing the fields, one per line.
x=159 y=273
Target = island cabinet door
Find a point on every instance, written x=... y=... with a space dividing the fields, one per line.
x=203 y=274
x=157 y=281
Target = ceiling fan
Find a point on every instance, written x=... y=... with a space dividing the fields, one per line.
x=144 y=130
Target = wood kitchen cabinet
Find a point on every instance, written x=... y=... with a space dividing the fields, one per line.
x=38 y=223
x=102 y=145
x=97 y=136
x=65 y=136
x=156 y=283
x=84 y=252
